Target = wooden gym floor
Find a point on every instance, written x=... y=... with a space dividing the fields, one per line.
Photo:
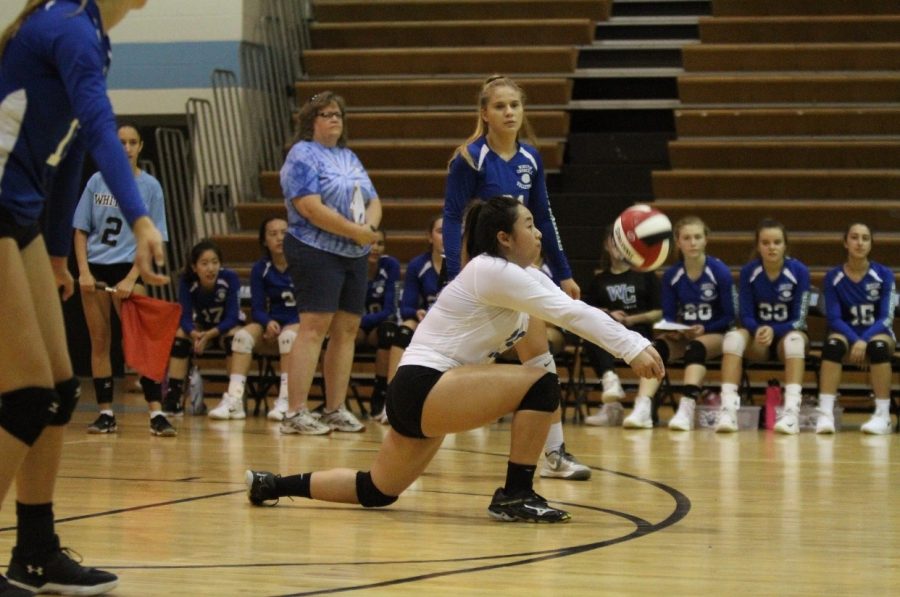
x=750 y=513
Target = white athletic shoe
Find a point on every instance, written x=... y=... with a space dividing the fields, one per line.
x=641 y=416
x=279 y=410
x=684 y=417
x=342 y=419
x=303 y=424
x=728 y=422
x=562 y=465
x=877 y=425
x=824 y=421
x=789 y=423
x=230 y=407
x=609 y=415
x=612 y=387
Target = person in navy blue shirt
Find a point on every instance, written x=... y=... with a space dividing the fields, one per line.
x=497 y=160
x=860 y=300
x=379 y=323
x=273 y=308
x=53 y=108
x=773 y=301
x=209 y=295
x=697 y=294
x=104 y=251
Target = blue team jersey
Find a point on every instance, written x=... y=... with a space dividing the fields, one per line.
x=781 y=303
x=860 y=310
x=708 y=301
x=53 y=104
x=522 y=177
x=381 y=295
x=272 y=295
x=335 y=174
x=420 y=286
x=216 y=308
x=110 y=240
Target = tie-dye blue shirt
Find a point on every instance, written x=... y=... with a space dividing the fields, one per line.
x=338 y=177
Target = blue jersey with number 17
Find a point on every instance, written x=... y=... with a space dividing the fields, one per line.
x=781 y=303
x=110 y=240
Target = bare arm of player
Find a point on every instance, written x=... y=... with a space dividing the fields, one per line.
x=149 y=251
x=86 y=280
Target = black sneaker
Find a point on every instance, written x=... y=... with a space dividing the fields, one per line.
x=104 y=424
x=260 y=488
x=9 y=590
x=526 y=506
x=173 y=406
x=159 y=425
x=57 y=572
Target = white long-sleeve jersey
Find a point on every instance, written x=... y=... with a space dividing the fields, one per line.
x=485 y=310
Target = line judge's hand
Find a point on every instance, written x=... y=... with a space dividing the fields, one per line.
x=150 y=251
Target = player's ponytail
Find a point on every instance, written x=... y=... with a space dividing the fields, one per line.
x=13 y=28
x=483 y=221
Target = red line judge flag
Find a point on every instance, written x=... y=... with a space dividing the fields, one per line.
x=148 y=330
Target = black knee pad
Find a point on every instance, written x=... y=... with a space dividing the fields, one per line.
x=662 y=347
x=386 y=331
x=181 y=348
x=368 y=495
x=695 y=353
x=69 y=392
x=543 y=396
x=403 y=337
x=878 y=351
x=152 y=390
x=25 y=413
x=834 y=350
x=226 y=344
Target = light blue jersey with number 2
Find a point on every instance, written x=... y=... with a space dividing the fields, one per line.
x=110 y=240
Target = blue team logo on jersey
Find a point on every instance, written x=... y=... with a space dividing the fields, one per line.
x=786 y=292
x=221 y=293
x=873 y=291
x=709 y=292
x=525 y=173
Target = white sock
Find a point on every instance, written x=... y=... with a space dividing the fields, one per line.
x=282 y=389
x=554 y=438
x=793 y=389
x=236 y=385
x=108 y=412
x=883 y=407
x=642 y=399
x=826 y=402
x=729 y=388
x=154 y=413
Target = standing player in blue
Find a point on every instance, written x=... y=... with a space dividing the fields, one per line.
x=273 y=309
x=494 y=161
x=210 y=309
x=53 y=108
x=773 y=300
x=859 y=305
x=379 y=323
x=421 y=285
x=104 y=250
x=697 y=292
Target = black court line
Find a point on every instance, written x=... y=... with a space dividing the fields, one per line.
x=136 y=508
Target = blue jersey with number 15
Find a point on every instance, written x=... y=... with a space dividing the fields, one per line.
x=110 y=240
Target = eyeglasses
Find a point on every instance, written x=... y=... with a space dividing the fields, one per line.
x=330 y=115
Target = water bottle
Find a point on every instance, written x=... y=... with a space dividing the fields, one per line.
x=195 y=391
x=773 y=400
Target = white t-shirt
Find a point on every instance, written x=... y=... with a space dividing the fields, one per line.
x=485 y=310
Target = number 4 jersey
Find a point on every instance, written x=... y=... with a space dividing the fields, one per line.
x=110 y=240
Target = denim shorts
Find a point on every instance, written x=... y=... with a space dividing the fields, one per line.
x=325 y=282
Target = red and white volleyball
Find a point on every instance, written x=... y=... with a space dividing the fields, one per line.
x=642 y=235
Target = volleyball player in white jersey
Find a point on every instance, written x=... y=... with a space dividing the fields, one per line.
x=446 y=382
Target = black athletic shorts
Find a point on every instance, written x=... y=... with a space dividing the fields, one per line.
x=111 y=273
x=23 y=234
x=406 y=397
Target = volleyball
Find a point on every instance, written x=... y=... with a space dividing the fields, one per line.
x=642 y=235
